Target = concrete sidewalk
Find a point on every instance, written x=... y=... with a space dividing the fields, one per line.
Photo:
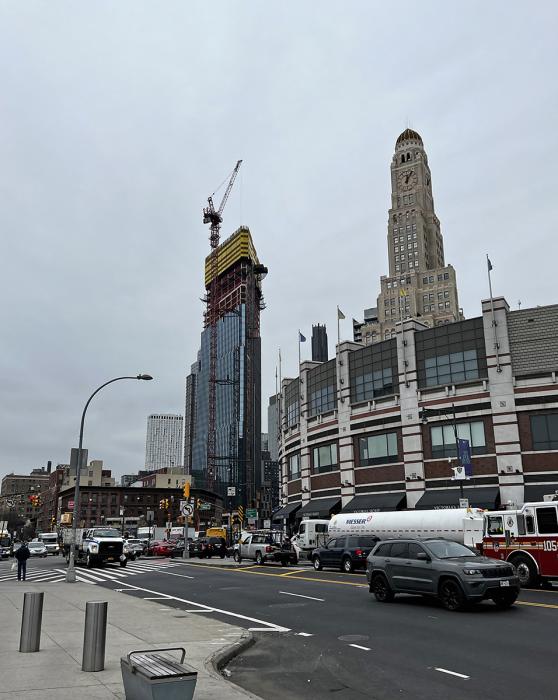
x=133 y=624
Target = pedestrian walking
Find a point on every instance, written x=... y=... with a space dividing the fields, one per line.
x=22 y=555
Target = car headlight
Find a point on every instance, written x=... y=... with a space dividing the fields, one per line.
x=472 y=572
x=94 y=548
x=126 y=549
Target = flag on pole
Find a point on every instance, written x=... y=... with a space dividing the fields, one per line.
x=301 y=338
x=402 y=292
x=340 y=314
x=488 y=263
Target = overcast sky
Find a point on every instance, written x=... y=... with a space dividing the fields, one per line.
x=117 y=119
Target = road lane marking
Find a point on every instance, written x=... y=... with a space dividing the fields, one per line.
x=357 y=646
x=199 y=611
x=304 y=634
x=453 y=673
x=536 y=605
x=171 y=573
x=298 y=595
x=270 y=626
x=290 y=573
x=159 y=597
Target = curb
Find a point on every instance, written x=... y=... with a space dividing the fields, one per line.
x=221 y=658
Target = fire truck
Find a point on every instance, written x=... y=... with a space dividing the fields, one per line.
x=527 y=538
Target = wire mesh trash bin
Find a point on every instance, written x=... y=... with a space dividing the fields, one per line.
x=148 y=675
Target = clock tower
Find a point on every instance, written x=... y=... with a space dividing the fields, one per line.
x=420 y=284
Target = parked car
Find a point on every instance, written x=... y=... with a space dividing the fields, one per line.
x=136 y=547
x=178 y=550
x=347 y=553
x=440 y=568
x=163 y=549
x=265 y=546
x=207 y=547
x=37 y=549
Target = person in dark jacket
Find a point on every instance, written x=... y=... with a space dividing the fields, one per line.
x=22 y=555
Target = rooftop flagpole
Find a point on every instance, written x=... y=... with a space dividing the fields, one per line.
x=494 y=322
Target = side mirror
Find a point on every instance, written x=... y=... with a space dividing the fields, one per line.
x=423 y=556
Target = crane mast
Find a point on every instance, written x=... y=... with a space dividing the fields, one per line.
x=214 y=218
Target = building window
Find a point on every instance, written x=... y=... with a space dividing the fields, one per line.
x=425 y=280
x=443 y=439
x=544 y=430
x=324 y=458
x=294 y=466
x=446 y=275
x=293 y=403
x=451 y=369
x=446 y=295
x=378 y=449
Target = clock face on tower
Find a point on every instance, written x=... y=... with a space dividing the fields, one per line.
x=407 y=179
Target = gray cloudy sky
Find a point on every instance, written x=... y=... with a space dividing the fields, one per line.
x=117 y=119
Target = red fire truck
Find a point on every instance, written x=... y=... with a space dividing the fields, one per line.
x=528 y=538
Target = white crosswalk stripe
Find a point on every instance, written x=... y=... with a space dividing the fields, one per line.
x=92 y=576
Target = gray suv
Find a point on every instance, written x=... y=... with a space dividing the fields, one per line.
x=440 y=568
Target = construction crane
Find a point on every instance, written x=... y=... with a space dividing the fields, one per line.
x=214 y=218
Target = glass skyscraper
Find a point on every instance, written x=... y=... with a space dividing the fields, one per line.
x=238 y=376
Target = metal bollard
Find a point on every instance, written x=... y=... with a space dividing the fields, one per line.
x=30 y=638
x=94 y=637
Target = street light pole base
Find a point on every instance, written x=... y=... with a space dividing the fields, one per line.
x=71 y=576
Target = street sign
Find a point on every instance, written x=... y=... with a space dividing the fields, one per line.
x=463 y=502
x=251 y=513
x=205 y=506
x=10 y=503
x=266 y=524
x=464 y=450
x=252 y=521
x=186 y=508
x=231 y=490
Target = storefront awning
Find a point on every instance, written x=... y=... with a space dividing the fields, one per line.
x=321 y=507
x=374 y=502
x=487 y=497
x=286 y=512
x=537 y=492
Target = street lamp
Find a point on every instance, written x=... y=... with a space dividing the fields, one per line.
x=71 y=572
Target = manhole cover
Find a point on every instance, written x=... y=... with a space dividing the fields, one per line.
x=354 y=638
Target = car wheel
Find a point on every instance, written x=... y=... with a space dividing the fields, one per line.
x=259 y=559
x=317 y=564
x=526 y=571
x=347 y=565
x=451 y=595
x=236 y=556
x=505 y=600
x=381 y=589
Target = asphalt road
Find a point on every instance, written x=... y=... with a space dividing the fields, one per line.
x=321 y=633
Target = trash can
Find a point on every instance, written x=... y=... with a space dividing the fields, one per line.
x=148 y=675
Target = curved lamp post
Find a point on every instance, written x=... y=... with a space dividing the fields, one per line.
x=71 y=572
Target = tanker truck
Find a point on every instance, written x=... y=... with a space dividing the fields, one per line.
x=463 y=525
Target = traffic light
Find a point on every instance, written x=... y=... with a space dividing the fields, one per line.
x=167 y=503
x=186 y=490
x=162 y=504
x=198 y=503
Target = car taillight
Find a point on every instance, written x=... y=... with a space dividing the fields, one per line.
x=268 y=549
x=358 y=552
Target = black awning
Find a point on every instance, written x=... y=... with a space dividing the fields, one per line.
x=321 y=507
x=537 y=492
x=286 y=512
x=374 y=502
x=487 y=497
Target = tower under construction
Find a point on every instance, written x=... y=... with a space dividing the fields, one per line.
x=232 y=322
